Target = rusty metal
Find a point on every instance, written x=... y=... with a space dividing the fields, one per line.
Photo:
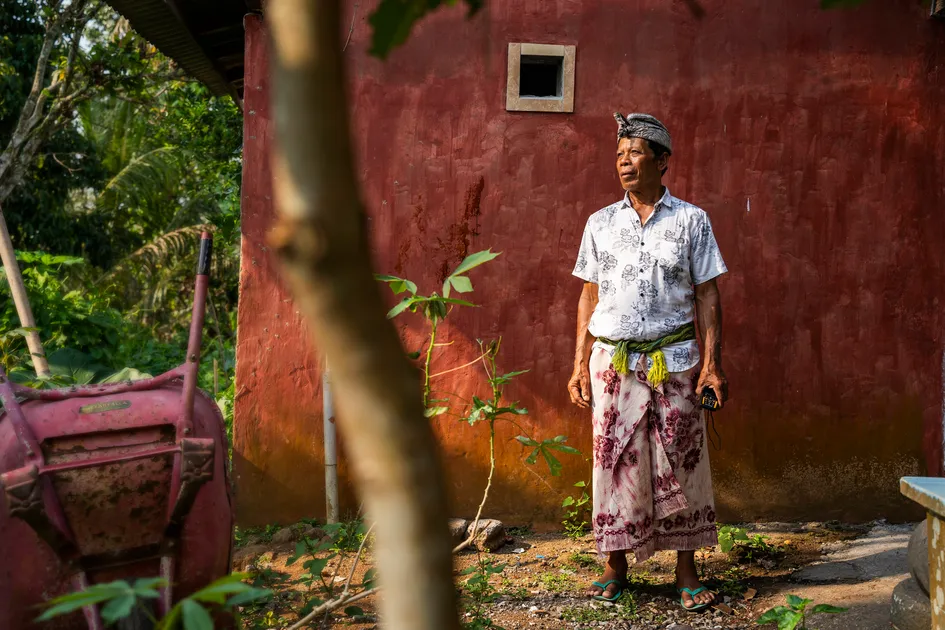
x=112 y=482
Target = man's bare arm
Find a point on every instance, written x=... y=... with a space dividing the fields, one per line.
x=709 y=310
x=579 y=387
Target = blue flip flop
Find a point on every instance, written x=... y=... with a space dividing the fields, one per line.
x=692 y=593
x=603 y=588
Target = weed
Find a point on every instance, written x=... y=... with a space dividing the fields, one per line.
x=794 y=615
x=641 y=578
x=577 y=510
x=556 y=582
x=510 y=590
x=522 y=531
x=625 y=610
x=745 y=547
x=583 y=560
x=479 y=591
x=729 y=582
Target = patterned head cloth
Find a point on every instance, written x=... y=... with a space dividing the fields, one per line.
x=643 y=126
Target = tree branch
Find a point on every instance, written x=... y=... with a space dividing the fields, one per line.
x=321 y=239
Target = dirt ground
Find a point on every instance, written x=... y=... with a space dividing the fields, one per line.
x=541 y=578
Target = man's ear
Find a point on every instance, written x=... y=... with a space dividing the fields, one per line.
x=663 y=162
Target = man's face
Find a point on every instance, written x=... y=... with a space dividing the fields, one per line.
x=637 y=166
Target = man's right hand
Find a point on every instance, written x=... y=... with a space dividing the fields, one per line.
x=579 y=387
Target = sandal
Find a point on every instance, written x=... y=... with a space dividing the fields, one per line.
x=603 y=589
x=692 y=593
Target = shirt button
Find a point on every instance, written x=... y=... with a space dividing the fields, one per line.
x=642 y=243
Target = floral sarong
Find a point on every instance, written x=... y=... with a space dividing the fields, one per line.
x=652 y=483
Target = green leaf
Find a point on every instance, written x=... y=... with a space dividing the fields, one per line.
x=217 y=592
x=414 y=355
x=527 y=441
x=398 y=285
x=354 y=611
x=553 y=464
x=533 y=457
x=790 y=620
x=369 y=578
x=119 y=608
x=432 y=412
x=773 y=615
x=798 y=603
x=315 y=566
x=568 y=502
x=401 y=306
x=473 y=260
x=564 y=448
x=248 y=597
x=75 y=601
x=827 y=608
x=195 y=616
x=518 y=411
x=580 y=484
x=461 y=284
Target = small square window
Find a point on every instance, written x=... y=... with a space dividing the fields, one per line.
x=541 y=78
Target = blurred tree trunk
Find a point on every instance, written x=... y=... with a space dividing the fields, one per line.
x=322 y=241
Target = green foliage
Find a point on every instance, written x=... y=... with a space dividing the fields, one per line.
x=625 y=610
x=583 y=560
x=117 y=600
x=745 y=547
x=557 y=582
x=394 y=19
x=477 y=591
x=577 y=512
x=729 y=535
x=794 y=615
x=315 y=585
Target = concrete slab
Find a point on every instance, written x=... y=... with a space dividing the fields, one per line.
x=880 y=553
x=859 y=575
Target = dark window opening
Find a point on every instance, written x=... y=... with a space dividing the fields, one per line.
x=541 y=76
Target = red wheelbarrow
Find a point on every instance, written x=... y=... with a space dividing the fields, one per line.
x=108 y=482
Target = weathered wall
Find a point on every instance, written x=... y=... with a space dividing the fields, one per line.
x=812 y=138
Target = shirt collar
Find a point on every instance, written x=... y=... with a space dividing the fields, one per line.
x=665 y=201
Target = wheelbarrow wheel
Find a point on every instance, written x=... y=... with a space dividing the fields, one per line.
x=137 y=620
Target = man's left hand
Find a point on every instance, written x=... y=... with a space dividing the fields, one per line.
x=713 y=376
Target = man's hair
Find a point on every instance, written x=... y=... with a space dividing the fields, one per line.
x=658 y=151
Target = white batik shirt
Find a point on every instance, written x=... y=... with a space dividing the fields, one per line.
x=646 y=274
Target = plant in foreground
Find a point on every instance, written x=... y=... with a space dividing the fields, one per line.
x=577 y=510
x=794 y=615
x=120 y=600
x=477 y=592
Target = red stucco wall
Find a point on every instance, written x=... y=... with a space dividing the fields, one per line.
x=813 y=139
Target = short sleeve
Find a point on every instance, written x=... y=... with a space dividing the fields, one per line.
x=586 y=265
x=705 y=259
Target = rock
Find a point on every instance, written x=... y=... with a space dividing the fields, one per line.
x=490 y=534
x=910 y=608
x=919 y=556
x=458 y=527
x=244 y=557
x=828 y=572
x=314 y=533
x=284 y=536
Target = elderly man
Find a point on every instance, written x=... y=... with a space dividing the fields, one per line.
x=648 y=261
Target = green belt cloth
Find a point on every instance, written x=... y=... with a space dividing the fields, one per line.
x=658 y=374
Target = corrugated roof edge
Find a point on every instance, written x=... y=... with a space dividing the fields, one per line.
x=156 y=21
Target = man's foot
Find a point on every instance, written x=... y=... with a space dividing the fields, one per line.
x=616 y=569
x=688 y=577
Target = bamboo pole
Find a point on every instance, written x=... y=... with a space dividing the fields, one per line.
x=21 y=300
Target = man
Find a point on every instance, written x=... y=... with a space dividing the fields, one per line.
x=649 y=263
